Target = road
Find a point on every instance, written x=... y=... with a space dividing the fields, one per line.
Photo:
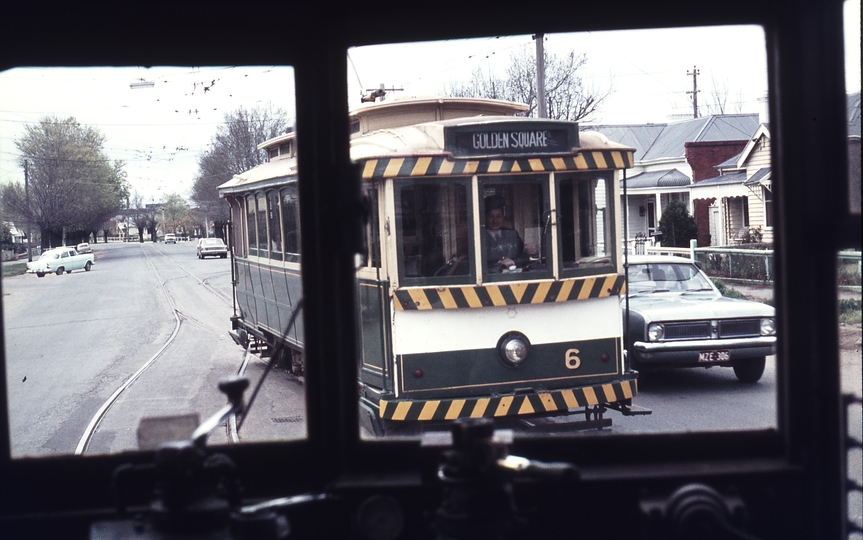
x=73 y=340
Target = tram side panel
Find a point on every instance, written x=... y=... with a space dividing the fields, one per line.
x=266 y=298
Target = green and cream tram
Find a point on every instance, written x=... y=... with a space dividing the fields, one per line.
x=491 y=278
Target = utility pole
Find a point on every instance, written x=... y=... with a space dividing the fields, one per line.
x=27 y=217
x=540 y=76
x=695 y=72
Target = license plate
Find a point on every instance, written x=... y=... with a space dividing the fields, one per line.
x=714 y=356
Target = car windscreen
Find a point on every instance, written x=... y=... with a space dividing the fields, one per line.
x=680 y=277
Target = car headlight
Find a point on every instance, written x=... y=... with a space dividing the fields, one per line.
x=655 y=332
x=514 y=348
x=768 y=327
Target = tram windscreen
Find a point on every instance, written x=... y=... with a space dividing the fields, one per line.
x=507 y=265
x=127 y=351
x=433 y=230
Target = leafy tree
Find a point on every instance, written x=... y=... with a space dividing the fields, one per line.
x=174 y=213
x=233 y=151
x=676 y=225
x=568 y=97
x=72 y=185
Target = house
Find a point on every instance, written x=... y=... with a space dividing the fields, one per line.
x=735 y=205
x=663 y=171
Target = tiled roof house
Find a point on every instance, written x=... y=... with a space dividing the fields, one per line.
x=663 y=171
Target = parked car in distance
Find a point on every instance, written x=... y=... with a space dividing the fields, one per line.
x=83 y=247
x=60 y=261
x=170 y=238
x=678 y=318
x=211 y=247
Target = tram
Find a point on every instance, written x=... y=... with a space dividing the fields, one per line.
x=490 y=281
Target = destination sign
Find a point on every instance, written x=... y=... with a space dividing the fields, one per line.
x=510 y=138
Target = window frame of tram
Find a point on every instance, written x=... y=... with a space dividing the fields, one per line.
x=371 y=257
x=291 y=235
x=570 y=227
x=252 y=224
x=278 y=217
x=504 y=189
x=426 y=274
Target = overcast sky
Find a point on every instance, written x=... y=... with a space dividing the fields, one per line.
x=161 y=131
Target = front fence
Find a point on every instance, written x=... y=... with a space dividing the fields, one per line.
x=751 y=265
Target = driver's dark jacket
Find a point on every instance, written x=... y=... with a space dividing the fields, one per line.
x=508 y=246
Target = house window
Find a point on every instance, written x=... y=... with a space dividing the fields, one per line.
x=767 y=197
x=744 y=208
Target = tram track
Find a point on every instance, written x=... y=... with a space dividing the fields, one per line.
x=179 y=317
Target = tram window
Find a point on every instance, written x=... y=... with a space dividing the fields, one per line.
x=291 y=222
x=251 y=223
x=585 y=217
x=274 y=222
x=514 y=242
x=262 y=225
x=434 y=231
x=371 y=233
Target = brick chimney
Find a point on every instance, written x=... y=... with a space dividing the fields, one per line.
x=703 y=156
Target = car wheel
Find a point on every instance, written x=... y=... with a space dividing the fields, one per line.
x=40 y=274
x=87 y=266
x=60 y=271
x=750 y=370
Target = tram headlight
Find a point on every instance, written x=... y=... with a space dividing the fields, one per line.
x=768 y=327
x=514 y=348
x=655 y=332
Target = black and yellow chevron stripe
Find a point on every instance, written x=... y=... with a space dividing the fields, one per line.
x=537 y=292
x=391 y=167
x=507 y=405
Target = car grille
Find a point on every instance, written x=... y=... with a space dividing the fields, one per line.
x=740 y=327
x=699 y=330
x=702 y=329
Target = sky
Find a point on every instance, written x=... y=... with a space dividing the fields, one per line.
x=160 y=132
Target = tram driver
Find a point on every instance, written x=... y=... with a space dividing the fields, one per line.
x=504 y=248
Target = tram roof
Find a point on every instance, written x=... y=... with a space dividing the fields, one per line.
x=276 y=173
x=428 y=138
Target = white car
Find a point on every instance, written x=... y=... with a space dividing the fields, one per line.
x=211 y=247
x=60 y=260
x=170 y=238
x=677 y=318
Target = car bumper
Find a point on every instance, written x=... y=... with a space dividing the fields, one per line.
x=687 y=352
x=205 y=253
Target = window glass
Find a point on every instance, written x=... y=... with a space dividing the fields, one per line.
x=146 y=153
x=291 y=219
x=514 y=215
x=371 y=232
x=263 y=227
x=586 y=226
x=252 y=224
x=547 y=228
x=275 y=225
x=433 y=231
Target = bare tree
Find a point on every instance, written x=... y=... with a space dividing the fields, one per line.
x=719 y=103
x=233 y=151
x=568 y=96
